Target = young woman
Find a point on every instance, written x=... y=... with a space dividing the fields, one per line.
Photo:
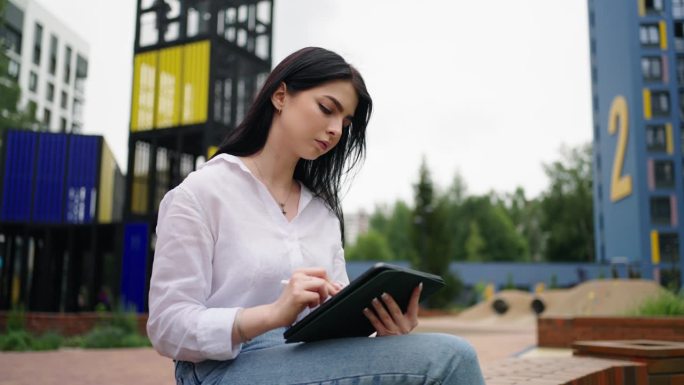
x=266 y=209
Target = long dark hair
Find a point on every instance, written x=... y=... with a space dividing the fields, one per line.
x=302 y=70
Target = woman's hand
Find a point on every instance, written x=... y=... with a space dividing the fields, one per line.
x=388 y=320
x=308 y=287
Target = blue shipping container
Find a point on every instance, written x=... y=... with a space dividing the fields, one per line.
x=134 y=265
x=82 y=173
x=48 y=201
x=18 y=175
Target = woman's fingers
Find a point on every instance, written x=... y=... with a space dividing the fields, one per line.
x=317 y=285
x=377 y=324
x=312 y=272
x=389 y=319
x=395 y=311
x=412 y=310
x=320 y=277
x=385 y=317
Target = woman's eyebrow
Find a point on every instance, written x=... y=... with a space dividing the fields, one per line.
x=338 y=105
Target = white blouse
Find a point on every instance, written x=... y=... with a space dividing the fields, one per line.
x=222 y=244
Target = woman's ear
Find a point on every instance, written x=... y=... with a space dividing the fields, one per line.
x=278 y=97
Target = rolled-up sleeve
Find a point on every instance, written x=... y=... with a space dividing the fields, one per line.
x=180 y=325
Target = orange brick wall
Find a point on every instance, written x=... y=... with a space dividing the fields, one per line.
x=66 y=324
x=562 y=332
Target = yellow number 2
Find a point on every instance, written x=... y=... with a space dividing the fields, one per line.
x=618 y=119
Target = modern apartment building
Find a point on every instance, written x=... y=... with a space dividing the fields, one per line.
x=637 y=72
x=50 y=62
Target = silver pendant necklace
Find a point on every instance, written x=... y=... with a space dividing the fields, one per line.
x=281 y=204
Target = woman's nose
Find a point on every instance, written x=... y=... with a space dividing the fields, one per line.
x=335 y=127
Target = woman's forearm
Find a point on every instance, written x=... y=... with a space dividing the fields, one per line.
x=253 y=321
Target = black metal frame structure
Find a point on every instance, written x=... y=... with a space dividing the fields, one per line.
x=239 y=34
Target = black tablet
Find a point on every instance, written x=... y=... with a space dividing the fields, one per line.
x=342 y=315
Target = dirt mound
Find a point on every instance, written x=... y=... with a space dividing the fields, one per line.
x=519 y=311
x=592 y=298
x=613 y=297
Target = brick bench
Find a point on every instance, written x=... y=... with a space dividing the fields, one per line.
x=664 y=360
x=627 y=362
x=565 y=370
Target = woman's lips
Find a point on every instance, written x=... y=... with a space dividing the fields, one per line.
x=323 y=145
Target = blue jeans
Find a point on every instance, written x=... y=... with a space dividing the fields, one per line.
x=426 y=359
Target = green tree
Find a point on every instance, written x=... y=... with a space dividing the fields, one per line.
x=10 y=114
x=379 y=218
x=502 y=242
x=430 y=237
x=475 y=244
x=458 y=225
x=567 y=207
x=526 y=217
x=395 y=226
x=371 y=246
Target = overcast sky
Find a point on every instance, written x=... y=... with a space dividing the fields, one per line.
x=489 y=89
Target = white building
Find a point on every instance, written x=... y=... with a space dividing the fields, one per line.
x=50 y=62
x=355 y=225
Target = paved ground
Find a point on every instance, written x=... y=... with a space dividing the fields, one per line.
x=146 y=367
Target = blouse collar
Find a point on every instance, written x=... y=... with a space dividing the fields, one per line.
x=306 y=194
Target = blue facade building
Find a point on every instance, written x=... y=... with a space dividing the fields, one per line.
x=637 y=72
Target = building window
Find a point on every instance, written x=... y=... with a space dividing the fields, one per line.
x=13 y=69
x=660 y=210
x=680 y=69
x=53 y=55
x=149 y=34
x=33 y=82
x=11 y=39
x=78 y=112
x=660 y=103
x=649 y=34
x=37 y=43
x=664 y=173
x=67 y=65
x=678 y=8
x=679 y=35
x=63 y=124
x=32 y=108
x=64 y=101
x=198 y=19
x=669 y=247
x=47 y=116
x=81 y=73
x=653 y=6
x=655 y=138
x=652 y=68
x=50 y=92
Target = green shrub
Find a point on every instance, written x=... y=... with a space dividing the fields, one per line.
x=116 y=330
x=104 y=337
x=445 y=297
x=136 y=341
x=16 y=319
x=16 y=340
x=663 y=304
x=47 y=341
x=73 y=342
x=126 y=321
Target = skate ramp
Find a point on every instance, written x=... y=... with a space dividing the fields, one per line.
x=592 y=298
x=519 y=312
x=613 y=297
